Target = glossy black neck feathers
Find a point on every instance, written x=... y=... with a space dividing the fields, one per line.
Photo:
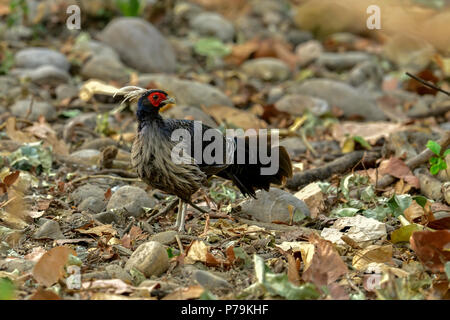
x=146 y=112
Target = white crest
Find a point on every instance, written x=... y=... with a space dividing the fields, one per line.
x=130 y=92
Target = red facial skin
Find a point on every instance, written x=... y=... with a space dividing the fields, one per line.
x=156 y=98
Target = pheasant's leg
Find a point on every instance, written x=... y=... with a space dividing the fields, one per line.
x=170 y=206
x=197 y=207
x=183 y=207
x=180 y=208
x=164 y=212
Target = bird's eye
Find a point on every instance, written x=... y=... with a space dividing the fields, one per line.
x=155 y=97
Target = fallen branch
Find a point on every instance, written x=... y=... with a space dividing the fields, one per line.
x=428 y=84
x=416 y=161
x=340 y=165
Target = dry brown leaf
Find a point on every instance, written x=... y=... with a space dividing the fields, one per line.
x=231 y=257
x=126 y=241
x=42 y=294
x=352 y=243
x=371 y=254
x=430 y=247
x=108 y=194
x=3 y=190
x=293 y=269
x=416 y=86
x=99 y=230
x=306 y=250
x=370 y=131
x=50 y=267
x=440 y=224
x=266 y=49
x=43 y=131
x=17 y=135
x=397 y=168
x=199 y=251
x=192 y=292
x=8 y=181
x=285 y=53
x=12 y=220
x=242 y=52
x=326 y=265
x=415 y=213
x=196 y=252
x=212 y=261
x=337 y=292
x=11 y=178
x=136 y=233
x=115 y=286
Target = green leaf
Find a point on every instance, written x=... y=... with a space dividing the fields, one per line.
x=71 y=113
x=434 y=160
x=241 y=254
x=434 y=169
x=208 y=295
x=368 y=194
x=446 y=153
x=421 y=200
x=378 y=213
x=346 y=212
x=442 y=164
x=32 y=155
x=362 y=142
x=434 y=147
x=399 y=203
x=7 y=63
x=137 y=276
x=211 y=47
x=129 y=8
x=279 y=284
x=6 y=289
x=170 y=253
x=403 y=234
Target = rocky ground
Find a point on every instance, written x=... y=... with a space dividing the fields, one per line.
x=366 y=215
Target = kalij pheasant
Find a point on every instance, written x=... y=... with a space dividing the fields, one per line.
x=153 y=145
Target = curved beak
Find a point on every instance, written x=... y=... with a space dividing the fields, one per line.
x=169 y=100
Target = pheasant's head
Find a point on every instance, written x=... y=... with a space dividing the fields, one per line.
x=154 y=99
x=148 y=100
